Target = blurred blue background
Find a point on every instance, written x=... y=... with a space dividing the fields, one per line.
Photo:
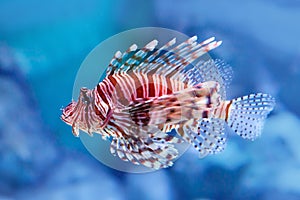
x=42 y=45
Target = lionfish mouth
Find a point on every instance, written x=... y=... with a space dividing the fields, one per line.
x=67 y=112
x=69 y=116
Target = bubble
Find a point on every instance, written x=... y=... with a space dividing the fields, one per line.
x=92 y=70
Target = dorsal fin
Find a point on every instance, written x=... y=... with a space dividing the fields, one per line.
x=165 y=58
x=114 y=63
x=169 y=62
x=137 y=57
x=173 y=63
x=154 y=55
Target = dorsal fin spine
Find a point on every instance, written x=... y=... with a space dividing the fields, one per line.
x=114 y=63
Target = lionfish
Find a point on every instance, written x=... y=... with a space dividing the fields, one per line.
x=151 y=91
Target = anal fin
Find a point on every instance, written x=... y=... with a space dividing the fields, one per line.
x=209 y=138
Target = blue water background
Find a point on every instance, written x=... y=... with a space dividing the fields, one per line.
x=42 y=44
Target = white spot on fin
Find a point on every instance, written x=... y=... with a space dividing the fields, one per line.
x=151 y=45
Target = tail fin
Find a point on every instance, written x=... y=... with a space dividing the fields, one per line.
x=246 y=114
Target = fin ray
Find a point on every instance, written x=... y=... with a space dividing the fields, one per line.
x=247 y=114
x=214 y=70
x=145 y=151
x=170 y=62
x=209 y=138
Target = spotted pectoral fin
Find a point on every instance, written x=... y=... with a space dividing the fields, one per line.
x=146 y=152
x=209 y=138
x=124 y=150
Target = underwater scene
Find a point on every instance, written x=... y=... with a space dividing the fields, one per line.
x=43 y=46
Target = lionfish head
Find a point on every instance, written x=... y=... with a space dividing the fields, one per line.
x=68 y=113
x=81 y=114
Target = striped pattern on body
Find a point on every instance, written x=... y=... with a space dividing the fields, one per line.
x=150 y=91
x=130 y=81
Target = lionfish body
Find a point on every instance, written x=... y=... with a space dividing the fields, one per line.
x=150 y=91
